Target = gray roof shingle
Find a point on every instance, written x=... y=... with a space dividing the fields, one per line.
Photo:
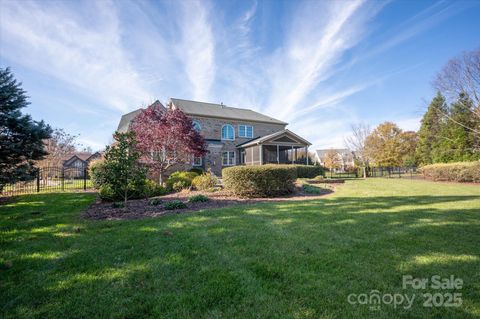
x=222 y=111
x=127 y=118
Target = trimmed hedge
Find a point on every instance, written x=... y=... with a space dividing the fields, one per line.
x=309 y=171
x=205 y=181
x=260 y=180
x=456 y=172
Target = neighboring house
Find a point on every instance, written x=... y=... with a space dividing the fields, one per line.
x=346 y=158
x=236 y=136
x=80 y=160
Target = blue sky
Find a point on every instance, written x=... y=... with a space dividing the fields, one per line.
x=319 y=65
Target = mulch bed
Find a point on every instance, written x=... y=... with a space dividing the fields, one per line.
x=326 y=181
x=140 y=208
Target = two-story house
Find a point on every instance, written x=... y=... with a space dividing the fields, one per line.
x=345 y=157
x=236 y=136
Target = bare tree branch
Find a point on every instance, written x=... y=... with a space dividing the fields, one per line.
x=461 y=75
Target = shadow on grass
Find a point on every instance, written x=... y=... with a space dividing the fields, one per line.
x=297 y=259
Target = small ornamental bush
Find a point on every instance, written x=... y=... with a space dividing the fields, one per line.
x=310 y=189
x=260 y=180
x=155 y=202
x=198 y=198
x=205 y=181
x=309 y=171
x=96 y=170
x=456 y=172
x=180 y=180
x=153 y=189
x=174 y=204
x=106 y=193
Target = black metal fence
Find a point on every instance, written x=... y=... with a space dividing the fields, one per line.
x=388 y=172
x=332 y=174
x=394 y=172
x=50 y=179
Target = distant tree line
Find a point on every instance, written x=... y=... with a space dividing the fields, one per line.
x=450 y=129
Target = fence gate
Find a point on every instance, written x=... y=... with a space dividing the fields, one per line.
x=50 y=179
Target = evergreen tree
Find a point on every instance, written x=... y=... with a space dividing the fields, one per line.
x=122 y=169
x=458 y=137
x=431 y=125
x=21 y=138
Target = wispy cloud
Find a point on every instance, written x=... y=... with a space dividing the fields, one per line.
x=313 y=46
x=197 y=48
x=85 y=53
x=122 y=55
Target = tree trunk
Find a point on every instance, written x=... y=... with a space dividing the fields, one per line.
x=160 y=178
x=364 y=172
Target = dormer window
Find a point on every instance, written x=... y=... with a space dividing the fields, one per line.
x=228 y=133
x=245 y=131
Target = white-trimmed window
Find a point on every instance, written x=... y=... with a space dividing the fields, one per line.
x=228 y=158
x=228 y=133
x=245 y=131
x=197 y=126
x=197 y=161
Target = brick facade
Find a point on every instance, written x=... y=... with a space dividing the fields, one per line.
x=211 y=129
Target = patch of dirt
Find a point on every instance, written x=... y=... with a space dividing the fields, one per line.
x=140 y=208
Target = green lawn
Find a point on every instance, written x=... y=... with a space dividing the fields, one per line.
x=276 y=260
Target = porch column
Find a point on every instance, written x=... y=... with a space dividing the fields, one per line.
x=278 y=154
x=260 y=147
x=306 y=152
x=296 y=157
x=293 y=162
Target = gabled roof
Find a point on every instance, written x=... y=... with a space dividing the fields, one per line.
x=83 y=156
x=345 y=153
x=274 y=136
x=222 y=111
x=127 y=118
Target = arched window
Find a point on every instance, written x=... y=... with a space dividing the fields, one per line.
x=228 y=133
x=197 y=126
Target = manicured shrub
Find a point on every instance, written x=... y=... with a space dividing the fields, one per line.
x=106 y=193
x=310 y=189
x=174 y=204
x=155 y=202
x=205 y=181
x=456 y=172
x=198 y=198
x=260 y=180
x=309 y=171
x=153 y=189
x=96 y=170
x=180 y=180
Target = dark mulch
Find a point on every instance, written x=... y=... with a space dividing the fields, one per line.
x=4 y=200
x=140 y=208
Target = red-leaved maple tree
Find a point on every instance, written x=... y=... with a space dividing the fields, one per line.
x=166 y=138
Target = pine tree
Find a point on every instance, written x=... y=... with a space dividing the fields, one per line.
x=431 y=125
x=21 y=138
x=458 y=137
